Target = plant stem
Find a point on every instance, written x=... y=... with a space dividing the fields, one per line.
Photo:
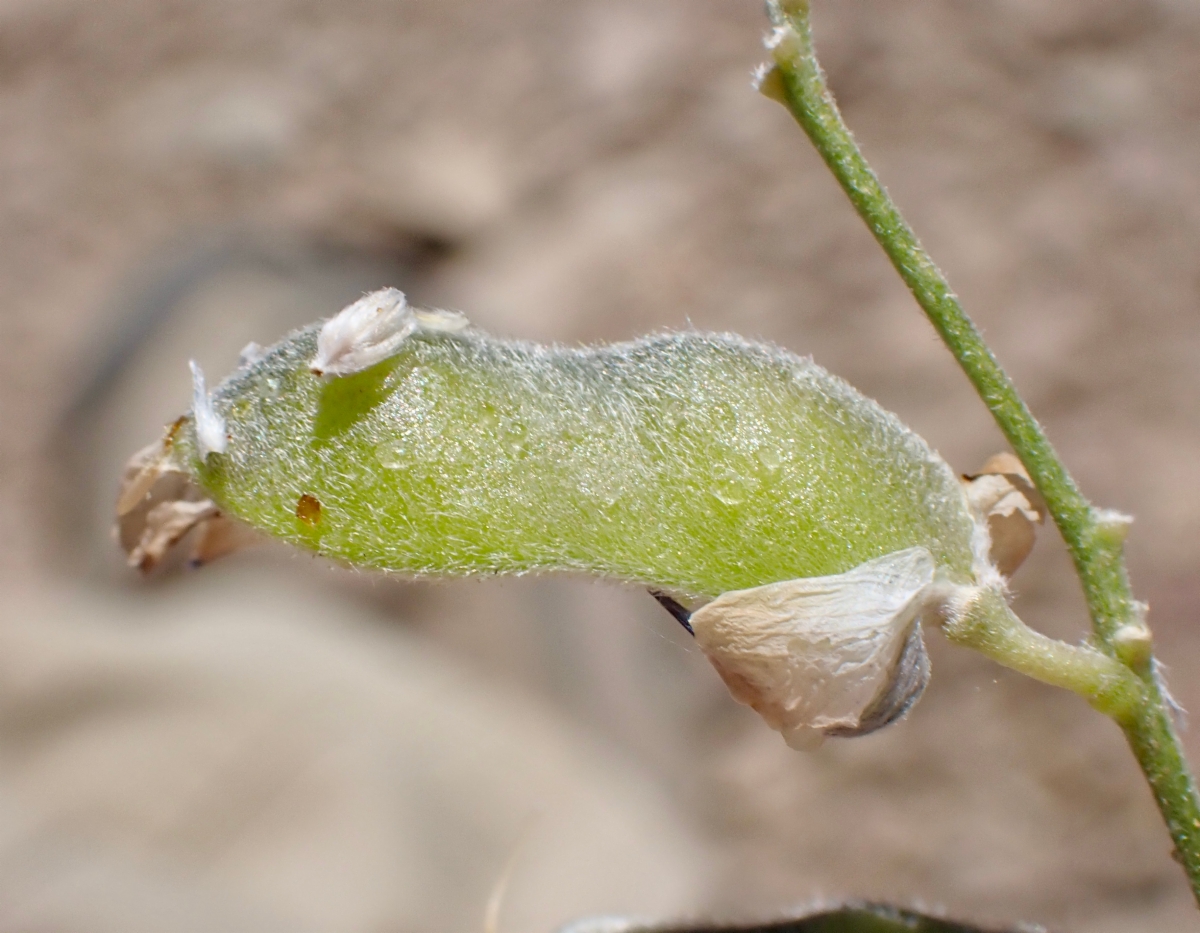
x=1094 y=538
x=986 y=624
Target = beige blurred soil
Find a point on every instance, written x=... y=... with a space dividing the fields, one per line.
x=273 y=743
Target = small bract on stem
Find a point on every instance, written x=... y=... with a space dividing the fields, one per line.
x=1094 y=536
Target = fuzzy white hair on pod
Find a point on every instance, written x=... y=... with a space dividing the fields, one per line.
x=836 y=655
x=210 y=427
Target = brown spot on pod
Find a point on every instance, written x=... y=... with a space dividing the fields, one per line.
x=308 y=510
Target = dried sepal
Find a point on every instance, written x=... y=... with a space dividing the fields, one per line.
x=158 y=504
x=165 y=525
x=363 y=333
x=373 y=329
x=218 y=536
x=910 y=676
x=1004 y=497
x=142 y=472
x=839 y=655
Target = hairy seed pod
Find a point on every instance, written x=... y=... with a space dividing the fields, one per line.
x=697 y=462
x=702 y=464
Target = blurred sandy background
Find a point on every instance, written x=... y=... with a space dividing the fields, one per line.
x=271 y=743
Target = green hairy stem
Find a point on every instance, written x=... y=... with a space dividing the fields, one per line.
x=1093 y=537
x=699 y=463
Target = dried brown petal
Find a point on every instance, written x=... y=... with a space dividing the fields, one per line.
x=1002 y=494
x=165 y=525
x=219 y=536
x=143 y=470
x=1005 y=462
x=158 y=504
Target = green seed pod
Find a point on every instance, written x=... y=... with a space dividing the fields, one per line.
x=699 y=463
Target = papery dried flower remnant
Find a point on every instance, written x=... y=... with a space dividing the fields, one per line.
x=166 y=524
x=159 y=504
x=839 y=655
x=371 y=330
x=1004 y=496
